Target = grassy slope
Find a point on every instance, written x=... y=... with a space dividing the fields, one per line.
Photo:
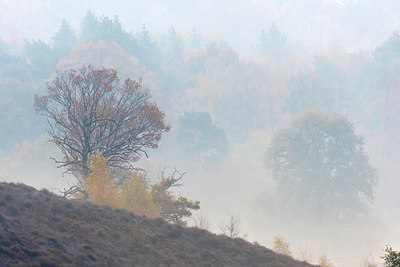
x=41 y=229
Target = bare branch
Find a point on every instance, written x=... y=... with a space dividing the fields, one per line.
x=232 y=228
x=90 y=110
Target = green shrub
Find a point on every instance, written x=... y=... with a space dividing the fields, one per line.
x=391 y=257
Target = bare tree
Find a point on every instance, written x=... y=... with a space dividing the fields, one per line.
x=90 y=110
x=201 y=222
x=232 y=228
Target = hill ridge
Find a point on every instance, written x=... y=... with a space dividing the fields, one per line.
x=40 y=228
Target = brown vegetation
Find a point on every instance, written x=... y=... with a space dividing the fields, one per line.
x=281 y=246
x=38 y=228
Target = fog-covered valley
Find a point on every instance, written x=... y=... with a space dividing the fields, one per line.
x=282 y=114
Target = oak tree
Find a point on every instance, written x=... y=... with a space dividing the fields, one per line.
x=91 y=110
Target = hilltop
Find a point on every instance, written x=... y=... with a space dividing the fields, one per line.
x=40 y=228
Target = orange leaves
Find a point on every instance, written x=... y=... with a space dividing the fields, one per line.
x=134 y=195
x=99 y=185
x=91 y=110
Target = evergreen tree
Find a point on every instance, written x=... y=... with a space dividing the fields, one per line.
x=195 y=39
x=272 y=44
x=39 y=56
x=110 y=30
x=63 y=40
x=149 y=53
x=172 y=61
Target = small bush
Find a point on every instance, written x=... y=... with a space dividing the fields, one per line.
x=323 y=261
x=137 y=198
x=391 y=257
x=281 y=247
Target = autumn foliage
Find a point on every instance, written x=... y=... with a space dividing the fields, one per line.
x=99 y=185
x=136 y=197
x=281 y=246
x=173 y=209
x=90 y=110
x=136 y=194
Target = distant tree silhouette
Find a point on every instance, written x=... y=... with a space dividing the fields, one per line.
x=321 y=166
x=148 y=51
x=63 y=40
x=272 y=43
x=39 y=55
x=110 y=30
x=201 y=139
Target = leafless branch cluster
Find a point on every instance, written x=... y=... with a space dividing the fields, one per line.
x=201 y=222
x=232 y=228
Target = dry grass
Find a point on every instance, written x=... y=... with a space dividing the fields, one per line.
x=281 y=246
x=306 y=254
x=38 y=228
x=323 y=261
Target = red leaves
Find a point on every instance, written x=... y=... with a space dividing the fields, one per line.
x=40 y=103
x=92 y=111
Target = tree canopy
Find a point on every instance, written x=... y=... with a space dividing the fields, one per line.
x=199 y=138
x=320 y=165
x=89 y=110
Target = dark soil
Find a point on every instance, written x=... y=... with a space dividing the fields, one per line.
x=38 y=228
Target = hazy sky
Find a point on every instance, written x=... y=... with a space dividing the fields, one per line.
x=354 y=24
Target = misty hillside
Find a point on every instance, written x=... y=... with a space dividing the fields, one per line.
x=40 y=228
x=279 y=117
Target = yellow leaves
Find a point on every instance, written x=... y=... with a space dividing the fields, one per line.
x=99 y=185
x=281 y=246
x=136 y=197
x=324 y=261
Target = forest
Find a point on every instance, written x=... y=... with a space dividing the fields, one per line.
x=289 y=144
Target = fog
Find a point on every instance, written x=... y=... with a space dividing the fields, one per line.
x=234 y=79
